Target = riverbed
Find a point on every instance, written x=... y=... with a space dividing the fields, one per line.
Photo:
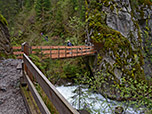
x=93 y=102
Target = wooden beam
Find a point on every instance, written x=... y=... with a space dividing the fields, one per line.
x=43 y=108
x=60 y=103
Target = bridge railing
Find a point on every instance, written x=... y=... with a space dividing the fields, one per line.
x=56 y=52
x=17 y=52
x=33 y=74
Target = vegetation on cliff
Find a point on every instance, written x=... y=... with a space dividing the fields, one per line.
x=5 y=44
x=3 y=20
x=120 y=58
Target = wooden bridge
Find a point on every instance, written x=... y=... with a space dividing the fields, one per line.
x=39 y=102
x=54 y=52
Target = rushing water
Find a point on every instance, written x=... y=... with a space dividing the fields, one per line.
x=95 y=102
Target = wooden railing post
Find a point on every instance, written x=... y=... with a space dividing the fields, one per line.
x=82 y=51
x=71 y=51
x=50 y=52
x=41 y=52
x=58 y=52
x=65 y=51
x=26 y=48
x=77 y=51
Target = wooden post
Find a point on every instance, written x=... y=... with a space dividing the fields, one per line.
x=82 y=51
x=26 y=48
x=65 y=51
x=50 y=53
x=41 y=52
x=58 y=52
x=71 y=51
x=77 y=51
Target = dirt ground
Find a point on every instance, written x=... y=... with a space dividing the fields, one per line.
x=11 y=101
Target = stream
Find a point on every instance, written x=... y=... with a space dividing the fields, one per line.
x=95 y=103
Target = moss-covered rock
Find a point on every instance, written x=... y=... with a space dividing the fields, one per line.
x=117 y=35
x=5 y=46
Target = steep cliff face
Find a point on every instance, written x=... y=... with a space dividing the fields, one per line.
x=121 y=32
x=133 y=19
x=5 y=46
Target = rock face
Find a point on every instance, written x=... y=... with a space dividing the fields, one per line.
x=133 y=23
x=122 y=33
x=5 y=46
x=11 y=100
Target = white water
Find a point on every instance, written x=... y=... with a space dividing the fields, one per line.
x=95 y=102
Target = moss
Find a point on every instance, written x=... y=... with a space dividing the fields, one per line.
x=114 y=42
x=3 y=20
x=145 y=2
x=112 y=8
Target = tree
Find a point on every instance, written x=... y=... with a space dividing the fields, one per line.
x=42 y=9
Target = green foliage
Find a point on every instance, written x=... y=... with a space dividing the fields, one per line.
x=76 y=30
x=39 y=62
x=9 y=8
x=42 y=9
x=29 y=4
x=131 y=92
x=3 y=20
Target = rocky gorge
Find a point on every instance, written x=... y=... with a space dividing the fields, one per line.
x=121 y=32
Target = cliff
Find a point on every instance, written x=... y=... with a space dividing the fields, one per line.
x=121 y=32
x=5 y=46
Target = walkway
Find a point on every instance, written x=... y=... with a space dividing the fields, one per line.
x=11 y=101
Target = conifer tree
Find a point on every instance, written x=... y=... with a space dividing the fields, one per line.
x=42 y=9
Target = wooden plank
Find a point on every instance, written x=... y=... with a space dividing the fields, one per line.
x=16 y=47
x=38 y=99
x=56 y=98
x=56 y=47
x=25 y=100
x=17 y=53
x=19 y=57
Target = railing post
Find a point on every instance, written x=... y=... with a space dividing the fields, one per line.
x=65 y=52
x=77 y=51
x=50 y=53
x=71 y=51
x=58 y=53
x=82 y=51
x=41 y=52
x=26 y=48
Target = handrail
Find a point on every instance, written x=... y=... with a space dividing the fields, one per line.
x=56 y=52
x=55 y=97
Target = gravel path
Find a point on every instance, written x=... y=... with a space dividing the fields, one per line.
x=11 y=101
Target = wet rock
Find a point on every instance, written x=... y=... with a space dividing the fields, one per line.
x=1 y=75
x=3 y=89
x=119 y=110
x=1 y=101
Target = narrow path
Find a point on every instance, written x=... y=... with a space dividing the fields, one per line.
x=11 y=101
